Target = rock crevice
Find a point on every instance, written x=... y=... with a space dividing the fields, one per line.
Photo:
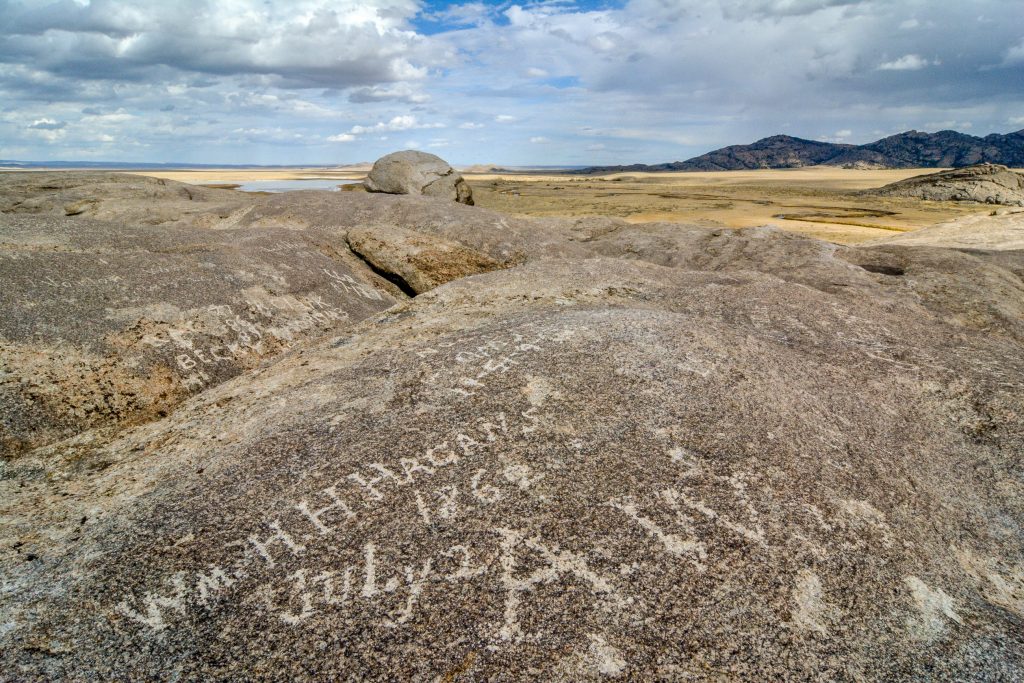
x=413 y=261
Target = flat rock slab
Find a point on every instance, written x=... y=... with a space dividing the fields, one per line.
x=980 y=233
x=119 y=196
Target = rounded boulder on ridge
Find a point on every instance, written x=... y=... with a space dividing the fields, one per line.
x=412 y=172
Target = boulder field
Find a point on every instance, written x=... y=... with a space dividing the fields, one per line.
x=434 y=442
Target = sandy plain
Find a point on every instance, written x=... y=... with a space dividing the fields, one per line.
x=824 y=202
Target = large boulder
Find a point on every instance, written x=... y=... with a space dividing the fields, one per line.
x=984 y=183
x=412 y=172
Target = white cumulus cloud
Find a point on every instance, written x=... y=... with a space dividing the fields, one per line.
x=48 y=124
x=406 y=122
x=905 y=63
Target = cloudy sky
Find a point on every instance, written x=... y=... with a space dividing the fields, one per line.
x=548 y=82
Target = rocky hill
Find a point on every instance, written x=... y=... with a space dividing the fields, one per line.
x=353 y=436
x=912 y=149
x=983 y=183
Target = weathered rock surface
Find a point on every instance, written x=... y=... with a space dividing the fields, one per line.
x=126 y=198
x=665 y=453
x=412 y=172
x=984 y=183
x=416 y=262
x=988 y=233
x=105 y=320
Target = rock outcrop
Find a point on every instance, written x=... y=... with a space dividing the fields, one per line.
x=107 y=321
x=415 y=262
x=984 y=183
x=650 y=452
x=978 y=232
x=412 y=172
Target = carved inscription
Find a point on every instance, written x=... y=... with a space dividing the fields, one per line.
x=555 y=564
x=296 y=566
x=346 y=284
x=687 y=505
x=479 y=360
x=333 y=510
x=253 y=328
x=363 y=583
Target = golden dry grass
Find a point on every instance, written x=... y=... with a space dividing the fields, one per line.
x=823 y=202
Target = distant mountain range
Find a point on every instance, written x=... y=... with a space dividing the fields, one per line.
x=912 y=149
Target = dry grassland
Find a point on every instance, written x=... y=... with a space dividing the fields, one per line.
x=823 y=202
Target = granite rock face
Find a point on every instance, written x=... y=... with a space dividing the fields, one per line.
x=116 y=196
x=663 y=453
x=107 y=321
x=412 y=172
x=984 y=183
x=416 y=262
